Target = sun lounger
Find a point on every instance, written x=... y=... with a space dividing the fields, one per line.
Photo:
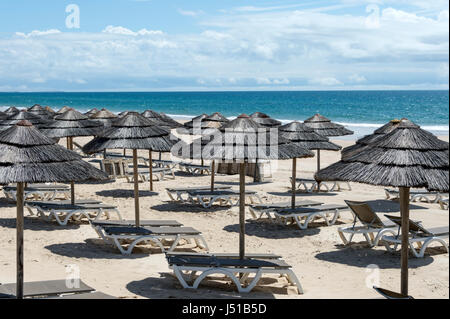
x=63 y=213
x=415 y=195
x=224 y=255
x=159 y=173
x=372 y=228
x=311 y=185
x=90 y=295
x=176 y=194
x=40 y=289
x=39 y=191
x=186 y=268
x=390 y=294
x=303 y=216
x=224 y=197
x=121 y=235
x=444 y=204
x=162 y=163
x=419 y=235
x=268 y=208
x=79 y=149
x=195 y=169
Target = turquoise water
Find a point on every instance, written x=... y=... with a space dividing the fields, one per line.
x=361 y=111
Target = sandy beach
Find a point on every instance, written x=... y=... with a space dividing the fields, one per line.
x=325 y=267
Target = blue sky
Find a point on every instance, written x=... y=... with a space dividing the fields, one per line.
x=155 y=45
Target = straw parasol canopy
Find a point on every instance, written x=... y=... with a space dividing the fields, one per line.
x=11 y=110
x=264 y=119
x=304 y=136
x=368 y=139
x=202 y=125
x=242 y=140
x=69 y=125
x=3 y=115
x=40 y=111
x=62 y=110
x=15 y=118
x=133 y=132
x=28 y=156
x=406 y=157
x=72 y=124
x=325 y=127
x=156 y=119
x=49 y=109
x=105 y=117
x=91 y=112
x=170 y=121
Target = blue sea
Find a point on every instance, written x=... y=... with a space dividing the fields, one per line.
x=361 y=111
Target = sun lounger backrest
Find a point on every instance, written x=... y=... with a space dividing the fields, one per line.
x=414 y=227
x=365 y=214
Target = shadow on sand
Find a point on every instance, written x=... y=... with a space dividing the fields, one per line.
x=178 y=207
x=266 y=229
x=167 y=286
x=358 y=256
x=125 y=193
x=37 y=224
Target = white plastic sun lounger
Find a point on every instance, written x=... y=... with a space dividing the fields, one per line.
x=119 y=236
x=268 y=208
x=63 y=213
x=224 y=197
x=311 y=185
x=39 y=191
x=195 y=169
x=418 y=235
x=444 y=204
x=42 y=289
x=159 y=173
x=415 y=195
x=372 y=228
x=303 y=216
x=237 y=270
x=176 y=194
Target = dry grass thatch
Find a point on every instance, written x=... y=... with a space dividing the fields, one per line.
x=369 y=139
x=26 y=155
x=72 y=124
x=11 y=110
x=132 y=132
x=15 y=118
x=320 y=124
x=170 y=121
x=242 y=140
x=91 y=112
x=406 y=157
x=63 y=110
x=299 y=133
x=264 y=119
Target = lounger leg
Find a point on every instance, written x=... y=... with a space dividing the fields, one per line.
x=292 y=278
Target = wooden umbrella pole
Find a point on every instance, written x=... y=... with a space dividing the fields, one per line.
x=136 y=187
x=150 y=167
x=19 y=231
x=404 y=209
x=160 y=155
x=294 y=179
x=124 y=152
x=213 y=169
x=242 y=210
x=318 y=169
x=72 y=184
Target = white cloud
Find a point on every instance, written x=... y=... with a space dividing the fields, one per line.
x=37 y=33
x=325 y=81
x=190 y=13
x=356 y=78
x=124 y=31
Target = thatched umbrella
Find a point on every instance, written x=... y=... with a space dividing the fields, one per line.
x=264 y=119
x=304 y=136
x=69 y=125
x=91 y=112
x=104 y=116
x=3 y=115
x=15 y=118
x=63 y=110
x=242 y=141
x=406 y=157
x=40 y=111
x=368 y=139
x=11 y=110
x=320 y=124
x=50 y=110
x=170 y=121
x=28 y=156
x=137 y=133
